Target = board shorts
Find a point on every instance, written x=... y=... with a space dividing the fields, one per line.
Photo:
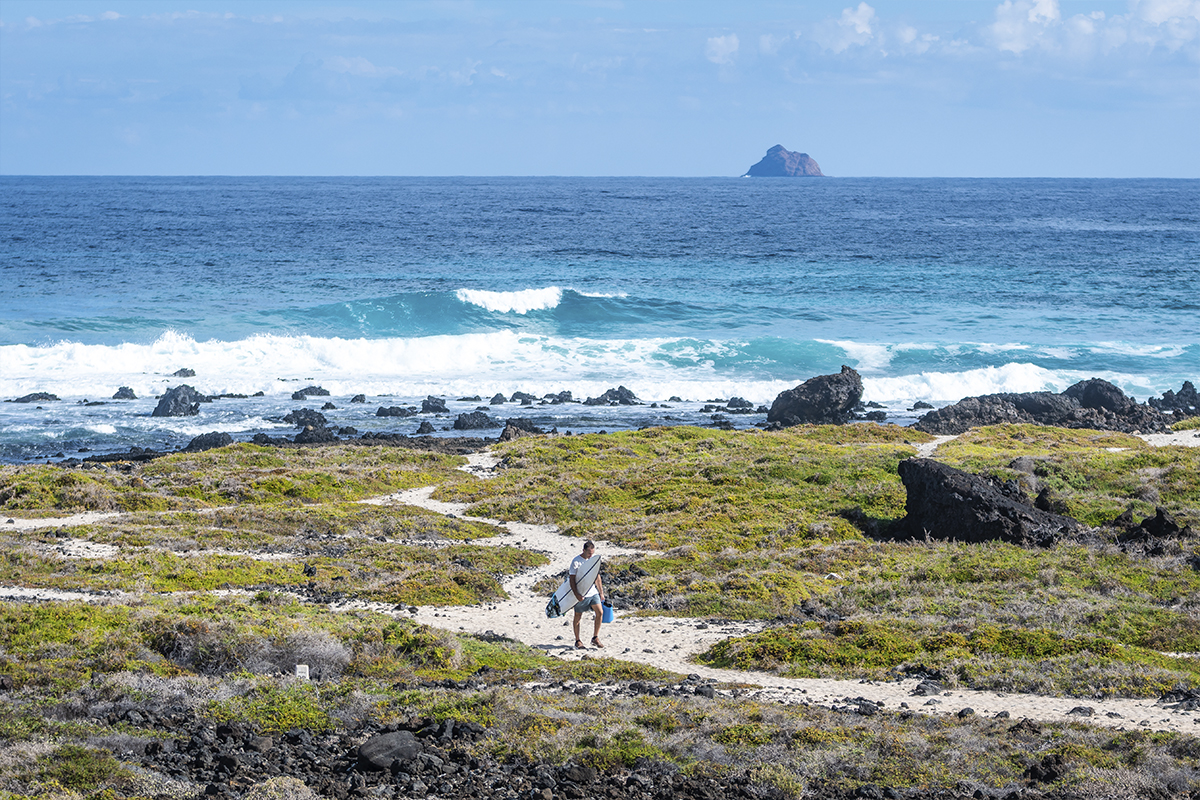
x=586 y=603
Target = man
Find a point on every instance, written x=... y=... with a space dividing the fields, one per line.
x=593 y=598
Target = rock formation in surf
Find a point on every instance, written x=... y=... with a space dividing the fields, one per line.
x=823 y=400
x=779 y=162
x=1093 y=403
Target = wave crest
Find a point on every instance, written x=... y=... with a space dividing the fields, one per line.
x=519 y=302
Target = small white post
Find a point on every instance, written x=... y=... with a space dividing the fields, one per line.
x=302 y=671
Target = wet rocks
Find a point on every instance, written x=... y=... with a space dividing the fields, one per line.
x=306 y=418
x=37 y=397
x=619 y=396
x=1094 y=403
x=124 y=393
x=396 y=411
x=825 y=399
x=434 y=405
x=310 y=391
x=182 y=401
x=475 y=420
x=946 y=503
x=358 y=398
x=184 y=373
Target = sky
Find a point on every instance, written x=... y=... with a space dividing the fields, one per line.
x=955 y=88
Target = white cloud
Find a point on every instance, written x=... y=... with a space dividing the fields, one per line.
x=721 y=49
x=854 y=27
x=1022 y=25
x=1159 y=11
x=859 y=19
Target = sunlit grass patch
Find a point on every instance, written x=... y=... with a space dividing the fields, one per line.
x=241 y=473
x=665 y=487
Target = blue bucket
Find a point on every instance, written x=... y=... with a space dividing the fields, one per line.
x=608 y=612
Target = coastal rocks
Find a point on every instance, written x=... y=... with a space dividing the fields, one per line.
x=823 y=400
x=1186 y=402
x=310 y=391
x=124 y=393
x=614 y=397
x=396 y=411
x=515 y=428
x=182 y=401
x=37 y=397
x=434 y=405
x=305 y=418
x=184 y=373
x=315 y=434
x=475 y=420
x=1095 y=404
x=358 y=398
x=208 y=441
x=946 y=503
x=779 y=162
x=425 y=428
x=497 y=400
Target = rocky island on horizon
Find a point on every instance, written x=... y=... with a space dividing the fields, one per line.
x=779 y=162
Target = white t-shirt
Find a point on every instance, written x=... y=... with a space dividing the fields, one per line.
x=577 y=564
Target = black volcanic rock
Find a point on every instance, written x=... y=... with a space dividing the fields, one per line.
x=475 y=420
x=310 y=391
x=36 y=397
x=305 y=418
x=396 y=411
x=124 y=393
x=184 y=373
x=779 y=162
x=434 y=405
x=1094 y=403
x=947 y=503
x=1185 y=401
x=823 y=400
x=619 y=396
x=182 y=401
x=209 y=441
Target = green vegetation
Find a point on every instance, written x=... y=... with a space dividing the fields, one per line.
x=711 y=490
x=240 y=473
x=1189 y=424
x=787 y=527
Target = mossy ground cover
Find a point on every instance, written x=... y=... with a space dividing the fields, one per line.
x=666 y=487
x=240 y=473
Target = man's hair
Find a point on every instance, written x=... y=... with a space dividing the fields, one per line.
x=589 y=543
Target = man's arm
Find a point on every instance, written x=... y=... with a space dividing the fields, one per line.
x=575 y=589
x=600 y=587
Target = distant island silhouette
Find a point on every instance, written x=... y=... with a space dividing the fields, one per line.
x=779 y=162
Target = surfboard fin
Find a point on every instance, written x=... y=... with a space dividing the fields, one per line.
x=552 y=608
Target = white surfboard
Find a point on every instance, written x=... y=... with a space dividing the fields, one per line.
x=563 y=598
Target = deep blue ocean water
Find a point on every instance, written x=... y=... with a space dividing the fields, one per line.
x=703 y=289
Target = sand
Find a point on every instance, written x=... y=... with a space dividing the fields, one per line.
x=669 y=642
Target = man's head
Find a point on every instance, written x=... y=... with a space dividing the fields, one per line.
x=589 y=547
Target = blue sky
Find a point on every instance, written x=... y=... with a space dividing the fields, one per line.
x=658 y=87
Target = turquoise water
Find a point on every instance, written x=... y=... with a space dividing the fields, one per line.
x=695 y=288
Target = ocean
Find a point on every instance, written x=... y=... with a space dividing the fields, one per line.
x=693 y=289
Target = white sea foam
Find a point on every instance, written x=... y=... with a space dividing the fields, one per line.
x=520 y=302
x=504 y=361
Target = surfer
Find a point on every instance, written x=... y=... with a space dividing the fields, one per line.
x=593 y=598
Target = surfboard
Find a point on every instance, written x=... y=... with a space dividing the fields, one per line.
x=563 y=598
